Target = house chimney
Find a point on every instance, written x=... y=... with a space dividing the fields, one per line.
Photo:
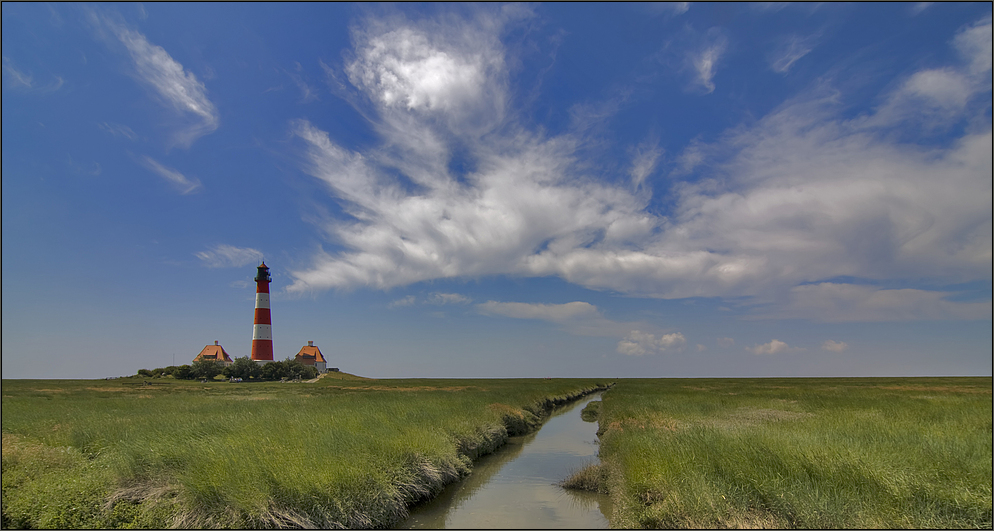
x=215 y=342
x=310 y=343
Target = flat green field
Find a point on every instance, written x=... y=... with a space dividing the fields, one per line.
x=798 y=453
x=352 y=452
x=341 y=452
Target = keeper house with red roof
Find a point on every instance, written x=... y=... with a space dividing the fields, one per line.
x=214 y=353
x=311 y=355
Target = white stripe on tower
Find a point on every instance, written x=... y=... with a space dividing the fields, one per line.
x=261 y=331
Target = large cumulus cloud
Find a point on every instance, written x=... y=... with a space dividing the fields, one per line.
x=801 y=197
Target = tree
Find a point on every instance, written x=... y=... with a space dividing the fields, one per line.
x=205 y=369
x=243 y=368
x=183 y=372
x=296 y=369
x=273 y=370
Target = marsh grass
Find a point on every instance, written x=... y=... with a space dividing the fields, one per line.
x=591 y=412
x=341 y=452
x=590 y=477
x=799 y=453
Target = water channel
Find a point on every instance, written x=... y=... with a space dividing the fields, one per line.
x=516 y=486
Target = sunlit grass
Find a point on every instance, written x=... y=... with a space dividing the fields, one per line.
x=801 y=453
x=339 y=452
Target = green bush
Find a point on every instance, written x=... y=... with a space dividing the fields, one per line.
x=243 y=368
x=206 y=369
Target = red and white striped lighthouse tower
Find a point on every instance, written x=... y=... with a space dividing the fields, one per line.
x=262 y=330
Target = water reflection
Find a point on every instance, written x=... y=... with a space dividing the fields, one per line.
x=515 y=487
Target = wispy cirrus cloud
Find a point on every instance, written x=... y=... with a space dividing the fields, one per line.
x=435 y=298
x=837 y=302
x=181 y=182
x=705 y=60
x=16 y=79
x=583 y=318
x=308 y=93
x=547 y=312
x=223 y=255
x=644 y=162
x=918 y=7
x=790 y=50
x=440 y=298
x=402 y=302
x=175 y=87
x=118 y=130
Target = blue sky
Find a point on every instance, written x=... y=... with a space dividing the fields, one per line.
x=606 y=190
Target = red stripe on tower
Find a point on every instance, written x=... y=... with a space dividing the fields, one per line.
x=262 y=330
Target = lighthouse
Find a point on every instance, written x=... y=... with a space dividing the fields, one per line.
x=262 y=330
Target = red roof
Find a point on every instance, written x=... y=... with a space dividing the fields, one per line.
x=213 y=353
x=310 y=355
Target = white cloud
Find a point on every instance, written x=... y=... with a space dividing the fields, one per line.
x=448 y=298
x=307 y=93
x=836 y=302
x=406 y=301
x=404 y=68
x=436 y=298
x=701 y=348
x=705 y=61
x=229 y=256
x=181 y=182
x=638 y=343
x=644 y=162
x=834 y=346
x=725 y=342
x=793 y=48
x=13 y=77
x=974 y=43
x=557 y=313
x=177 y=88
x=938 y=96
x=668 y=8
x=451 y=71
x=773 y=347
x=800 y=196
x=918 y=7
x=118 y=130
x=932 y=97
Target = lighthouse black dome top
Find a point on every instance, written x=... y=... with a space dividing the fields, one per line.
x=263 y=274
